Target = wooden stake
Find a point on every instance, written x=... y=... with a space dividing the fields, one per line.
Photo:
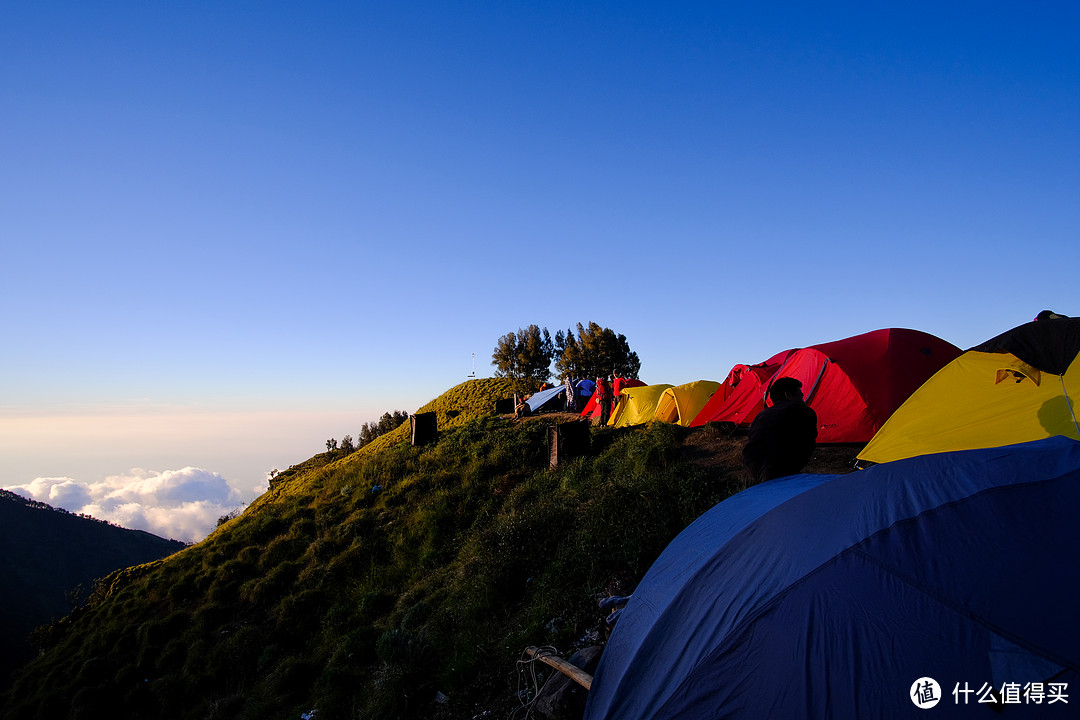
x=572 y=671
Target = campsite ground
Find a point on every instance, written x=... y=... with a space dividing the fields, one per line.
x=720 y=449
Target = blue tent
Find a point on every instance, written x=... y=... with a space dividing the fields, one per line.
x=551 y=398
x=829 y=596
x=586 y=387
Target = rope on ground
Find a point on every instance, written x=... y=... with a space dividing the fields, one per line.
x=529 y=681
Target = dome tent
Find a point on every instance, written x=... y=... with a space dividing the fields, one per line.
x=827 y=596
x=636 y=405
x=1020 y=385
x=852 y=384
x=742 y=396
x=682 y=403
x=855 y=384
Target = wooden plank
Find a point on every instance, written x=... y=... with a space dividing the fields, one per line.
x=572 y=671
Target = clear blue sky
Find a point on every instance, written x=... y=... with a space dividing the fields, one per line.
x=233 y=230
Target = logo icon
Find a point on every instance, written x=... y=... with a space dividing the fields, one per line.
x=925 y=693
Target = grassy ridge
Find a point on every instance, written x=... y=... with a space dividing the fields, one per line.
x=325 y=595
x=48 y=558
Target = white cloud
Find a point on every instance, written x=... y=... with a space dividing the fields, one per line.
x=181 y=504
x=171 y=488
x=58 y=492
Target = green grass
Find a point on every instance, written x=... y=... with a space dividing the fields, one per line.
x=326 y=595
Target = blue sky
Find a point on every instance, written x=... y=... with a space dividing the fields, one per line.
x=234 y=230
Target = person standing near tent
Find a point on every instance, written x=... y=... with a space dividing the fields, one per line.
x=571 y=393
x=603 y=399
x=782 y=437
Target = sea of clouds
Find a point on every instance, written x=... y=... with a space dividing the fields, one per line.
x=177 y=504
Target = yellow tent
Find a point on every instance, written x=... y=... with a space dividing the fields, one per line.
x=636 y=405
x=980 y=400
x=682 y=403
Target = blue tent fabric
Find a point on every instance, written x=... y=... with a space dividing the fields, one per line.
x=829 y=595
x=542 y=398
x=586 y=387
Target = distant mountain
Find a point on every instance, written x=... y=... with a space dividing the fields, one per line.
x=45 y=554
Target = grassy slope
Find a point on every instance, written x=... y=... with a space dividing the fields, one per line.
x=46 y=553
x=362 y=605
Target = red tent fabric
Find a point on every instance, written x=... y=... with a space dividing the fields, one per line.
x=742 y=396
x=855 y=384
x=592 y=408
x=621 y=383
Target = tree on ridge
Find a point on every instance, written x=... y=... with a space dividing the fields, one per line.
x=524 y=357
x=597 y=352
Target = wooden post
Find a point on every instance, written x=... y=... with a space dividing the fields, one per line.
x=572 y=671
x=425 y=428
x=567 y=441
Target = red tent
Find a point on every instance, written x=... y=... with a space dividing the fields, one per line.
x=592 y=408
x=742 y=396
x=854 y=384
x=621 y=382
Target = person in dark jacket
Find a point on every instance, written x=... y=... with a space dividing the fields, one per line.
x=782 y=437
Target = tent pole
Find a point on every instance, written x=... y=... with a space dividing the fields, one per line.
x=1068 y=402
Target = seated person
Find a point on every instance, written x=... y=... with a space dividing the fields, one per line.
x=782 y=438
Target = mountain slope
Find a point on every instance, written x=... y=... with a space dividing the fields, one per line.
x=45 y=554
x=397 y=581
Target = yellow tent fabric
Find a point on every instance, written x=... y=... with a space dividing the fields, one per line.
x=636 y=405
x=980 y=400
x=682 y=403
